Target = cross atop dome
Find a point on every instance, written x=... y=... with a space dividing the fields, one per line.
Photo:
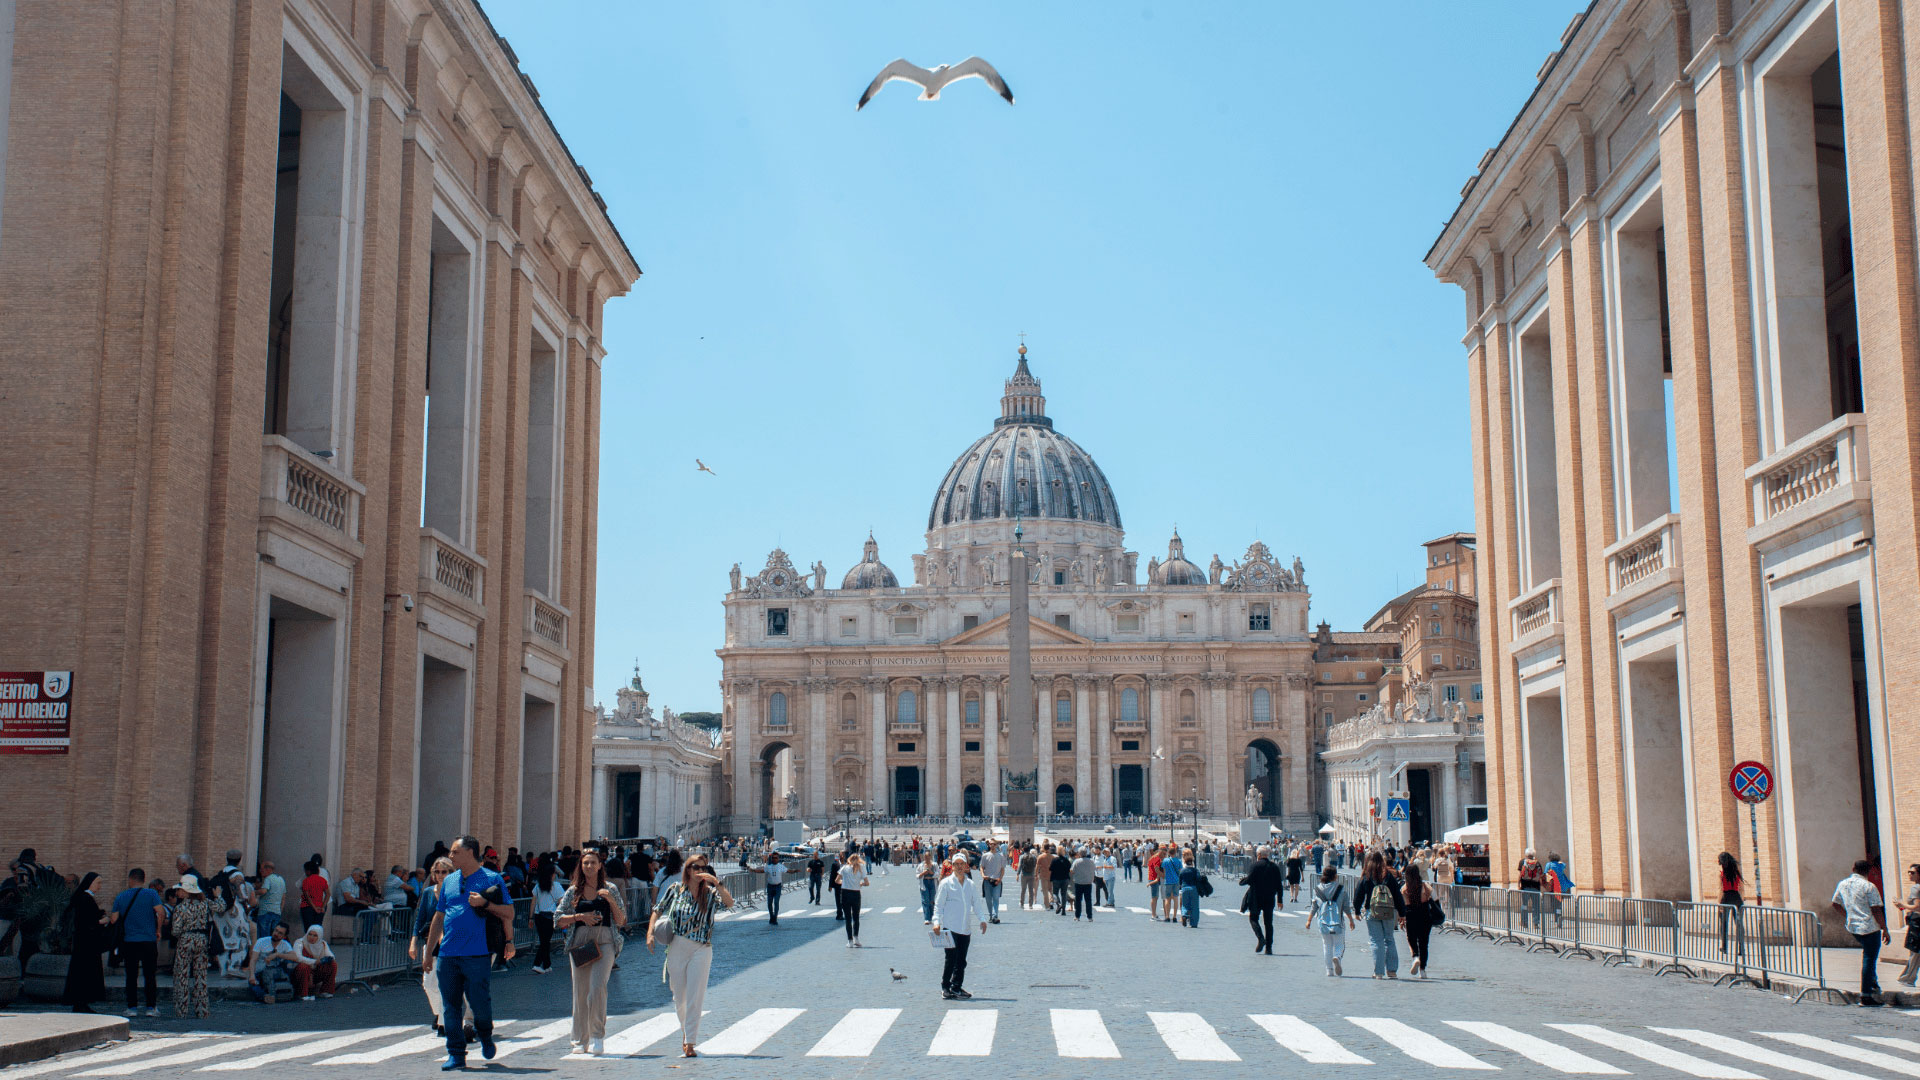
x=1023 y=402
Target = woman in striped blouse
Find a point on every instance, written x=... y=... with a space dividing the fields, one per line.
x=688 y=907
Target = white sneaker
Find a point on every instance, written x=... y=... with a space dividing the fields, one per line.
x=153 y=1010
x=309 y=997
x=133 y=1012
x=1336 y=967
x=1415 y=970
x=597 y=1047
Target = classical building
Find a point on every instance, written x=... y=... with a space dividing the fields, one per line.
x=1420 y=735
x=1693 y=364
x=302 y=481
x=653 y=776
x=1195 y=682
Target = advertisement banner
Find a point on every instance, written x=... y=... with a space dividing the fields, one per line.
x=36 y=712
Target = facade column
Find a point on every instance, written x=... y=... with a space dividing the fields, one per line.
x=990 y=744
x=600 y=815
x=1157 y=742
x=655 y=797
x=1103 y=746
x=955 y=721
x=1082 y=753
x=746 y=789
x=815 y=799
x=1043 y=743
x=1224 y=789
x=877 y=786
x=1448 y=782
x=1296 y=802
x=931 y=788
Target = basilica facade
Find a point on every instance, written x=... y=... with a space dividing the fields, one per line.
x=1195 y=683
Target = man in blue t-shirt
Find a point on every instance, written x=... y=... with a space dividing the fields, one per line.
x=458 y=937
x=138 y=912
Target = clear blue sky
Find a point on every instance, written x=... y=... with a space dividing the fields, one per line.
x=1207 y=218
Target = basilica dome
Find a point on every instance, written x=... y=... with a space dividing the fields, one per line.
x=1024 y=468
x=870 y=572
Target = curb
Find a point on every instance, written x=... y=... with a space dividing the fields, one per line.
x=31 y=1037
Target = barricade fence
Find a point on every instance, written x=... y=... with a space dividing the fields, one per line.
x=380 y=944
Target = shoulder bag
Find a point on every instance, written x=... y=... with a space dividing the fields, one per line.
x=662 y=928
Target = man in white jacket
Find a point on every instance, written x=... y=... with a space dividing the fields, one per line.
x=956 y=908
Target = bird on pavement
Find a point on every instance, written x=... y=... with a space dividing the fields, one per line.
x=701 y=466
x=896 y=975
x=932 y=82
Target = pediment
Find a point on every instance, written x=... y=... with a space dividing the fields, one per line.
x=994 y=632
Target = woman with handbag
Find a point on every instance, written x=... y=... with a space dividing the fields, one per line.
x=683 y=922
x=1911 y=908
x=1423 y=914
x=590 y=912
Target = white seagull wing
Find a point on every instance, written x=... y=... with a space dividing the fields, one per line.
x=899 y=69
x=974 y=68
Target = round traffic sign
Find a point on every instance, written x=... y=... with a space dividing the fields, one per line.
x=1751 y=782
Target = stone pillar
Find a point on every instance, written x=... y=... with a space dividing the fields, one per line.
x=814 y=799
x=1158 y=739
x=1297 y=721
x=1083 y=798
x=877 y=786
x=601 y=814
x=1021 y=800
x=1447 y=779
x=931 y=788
x=955 y=721
x=656 y=796
x=990 y=744
x=1043 y=742
x=1226 y=785
x=1103 y=746
x=746 y=786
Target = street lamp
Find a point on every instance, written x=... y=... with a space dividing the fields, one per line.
x=871 y=815
x=1193 y=804
x=847 y=804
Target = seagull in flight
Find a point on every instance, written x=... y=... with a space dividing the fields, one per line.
x=932 y=82
x=701 y=466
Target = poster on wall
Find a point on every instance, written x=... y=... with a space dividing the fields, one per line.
x=36 y=712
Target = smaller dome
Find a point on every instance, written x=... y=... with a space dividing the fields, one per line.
x=870 y=572
x=1177 y=570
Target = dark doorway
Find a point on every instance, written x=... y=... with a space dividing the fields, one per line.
x=776 y=781
x=906 y=790
x=1063 y=799
x=970 y=801
x=1420 y=812
x=626 y=804
x=1130 y=790
x=1263 y=773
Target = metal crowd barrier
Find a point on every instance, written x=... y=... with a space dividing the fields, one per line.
x=380 y=944
x=523 y=934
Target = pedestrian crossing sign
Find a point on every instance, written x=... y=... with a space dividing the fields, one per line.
x=1398 y=809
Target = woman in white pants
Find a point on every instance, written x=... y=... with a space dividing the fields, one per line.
x=687 y=908
x=423 y=917
x=1331 y=918
x=590 y=912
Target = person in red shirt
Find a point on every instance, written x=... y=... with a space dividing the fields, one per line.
x=313 y=897
x=1154 y=884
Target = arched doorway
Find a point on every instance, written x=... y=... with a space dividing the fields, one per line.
x=906 y=790
x=970 y=801
x=1063 y=799
x=777 y=783
x=1263 y=774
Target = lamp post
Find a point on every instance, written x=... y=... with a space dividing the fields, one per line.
x=847 y=804
x=1193 y=804
x=871 y=815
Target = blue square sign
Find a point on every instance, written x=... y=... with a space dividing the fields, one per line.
x=1398 y=809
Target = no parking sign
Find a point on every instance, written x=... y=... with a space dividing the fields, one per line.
x=1751 y=782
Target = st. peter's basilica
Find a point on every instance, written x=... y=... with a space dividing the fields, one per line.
x=1196 y=682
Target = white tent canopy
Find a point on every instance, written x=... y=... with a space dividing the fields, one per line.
x=1475 y=833
x=1327 y=829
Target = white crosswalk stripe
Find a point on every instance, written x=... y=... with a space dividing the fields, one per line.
x=1538 y=1050
x=823 y=913
x=893 y=911
x=1138 y=910
x=312 y=1049
x=530 y=1039
x=1313 y=1046
x=1887 y=1040
x=101 y=1057
x=1190 y=1037
x=1080 y=1033
x=213 y=1049
x=634 y=1039
x=965 y=1033
x=422 y=1044
x=1677 y=1060
x=1419 y=1045
x=1212 y=912
x=1846 y=1050
x=1760 y=1055
x=746 y=1035
x=856 y=1034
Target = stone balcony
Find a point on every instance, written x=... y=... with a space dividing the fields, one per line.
x=1818 y=483
x=304 y=500
x=1368 y=727
x=452 y=575
x=1645 y=562
x=1536 y=616
x=545 y=627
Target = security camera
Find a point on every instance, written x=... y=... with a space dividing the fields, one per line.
x=406 y=601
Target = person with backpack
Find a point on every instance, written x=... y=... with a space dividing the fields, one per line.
x=1330 y=917
x=1533 y=881
x=1560 y=884
x=1377 y=899
x=1192 y=884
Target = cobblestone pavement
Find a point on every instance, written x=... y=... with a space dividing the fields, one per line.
x=1119 y=996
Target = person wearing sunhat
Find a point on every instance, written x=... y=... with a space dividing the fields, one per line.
x=192 y=917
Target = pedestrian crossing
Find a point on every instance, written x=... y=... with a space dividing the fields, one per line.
x=1084 y=1034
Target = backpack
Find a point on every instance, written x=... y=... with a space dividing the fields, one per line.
x=1205 y=887
x=1380 y=903
x=1330 y=911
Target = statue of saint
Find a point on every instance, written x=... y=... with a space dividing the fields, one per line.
x=1299 y=573
x=1100 y=571
x=1252 y=802
x=1214 y=569
x=734 y=576
x=819 y=576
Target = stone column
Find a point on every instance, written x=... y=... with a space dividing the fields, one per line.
x=1043 y=744
x=601 y=813
x=1103 y=746
x=746 y=787
x=955 y=721
x=814 y=801
x=931 y=787
x=990 y=744
x=656 y=794
x=1158 y=742
x=1447 y=779
x=1083 y=798
x=1297 y=799
x=877 y=786
x=1225 y=785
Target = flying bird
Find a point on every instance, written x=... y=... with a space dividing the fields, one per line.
x=932 y=82
x=701 y=466
x=896 y=975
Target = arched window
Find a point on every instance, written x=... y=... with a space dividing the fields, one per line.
x=1062 y=710
x=1129 y=706
x=905 y=708
x=849 y=711
x=1186 y=708
x=1262 y=706
x=777 y=709
x=1063 y=799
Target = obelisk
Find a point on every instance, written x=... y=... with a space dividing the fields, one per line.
x=1022 y=783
